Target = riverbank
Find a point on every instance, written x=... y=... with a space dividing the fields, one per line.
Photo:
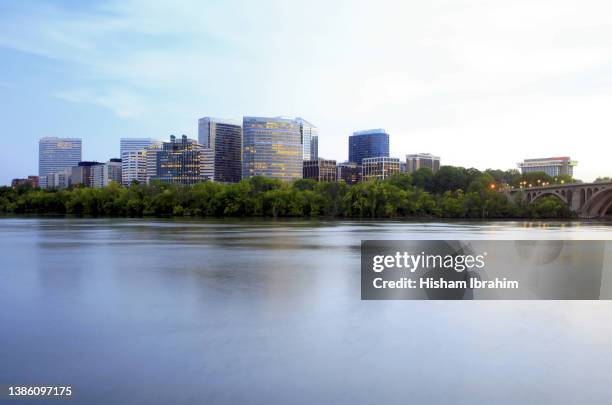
x=396 y=197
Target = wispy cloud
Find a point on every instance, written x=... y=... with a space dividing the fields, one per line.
x=459 y=71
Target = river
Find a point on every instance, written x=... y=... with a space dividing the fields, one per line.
x=263 y=312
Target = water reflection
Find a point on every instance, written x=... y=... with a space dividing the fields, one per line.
x=268 y=312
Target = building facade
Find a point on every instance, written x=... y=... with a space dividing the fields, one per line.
x=58 y=180
x=309 y=135
x=418 y=161
x=184 y=162
x=367 y=144
x=320 y=170
x=349 y=172
x=224 y=138
x=56 y=155
x=272 y=147
x=150 y=153
x=133 y=167
x=107 y=173
x=314 y=147
x=83 y=173
x=554 y=166
x=379 y=168
x=133 y=158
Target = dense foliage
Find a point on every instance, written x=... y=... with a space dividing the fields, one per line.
x=452 y=192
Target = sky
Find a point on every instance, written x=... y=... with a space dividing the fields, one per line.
x=482 y=83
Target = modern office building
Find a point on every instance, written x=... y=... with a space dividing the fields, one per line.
x=83 y=173
x=31 y=180
x=367 y=144
x=107 y=173
x=136 y=144
x=320 y=169
x=554 y=166
x=133 y=167
x=133 y=158
x=57 y=154
x=224 y=138
x=379 y=168
x=314 y=147
x=417 y=161
x=309 y=137
x=349 y=172
x=272 y=147
x=150 y=153
x=184 y=162
x=62 y=179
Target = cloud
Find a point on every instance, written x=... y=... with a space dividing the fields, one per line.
x=440 y=76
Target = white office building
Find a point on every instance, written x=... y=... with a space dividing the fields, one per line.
x=133 y=158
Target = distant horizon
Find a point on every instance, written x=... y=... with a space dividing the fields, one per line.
x=480 y=84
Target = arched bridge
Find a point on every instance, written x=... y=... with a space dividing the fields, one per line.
x=592 y=200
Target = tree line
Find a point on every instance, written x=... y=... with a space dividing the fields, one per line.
x=451 y=192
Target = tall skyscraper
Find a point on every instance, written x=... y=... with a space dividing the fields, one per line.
x=367 y=144
x=56 y=155
x=418 y=161
x=184 y=162
x=133 y=158
x=554 y=166
x=314 y=147
x=224 y=138
x=272 y=147
x=309 y=135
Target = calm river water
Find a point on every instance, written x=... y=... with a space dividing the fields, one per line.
x=264 y=312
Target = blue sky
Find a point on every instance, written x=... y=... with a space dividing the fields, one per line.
x=481 y=83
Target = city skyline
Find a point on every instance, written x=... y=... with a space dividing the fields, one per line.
x=455 y=80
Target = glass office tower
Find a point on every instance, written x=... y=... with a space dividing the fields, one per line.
x=309 y=137
x=56 y=155
x=184 y=162
x=367 y=144
x=272 y=147
x=224 y=138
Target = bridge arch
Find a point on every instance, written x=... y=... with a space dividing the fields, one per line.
x=599 y=205
x=536 y=196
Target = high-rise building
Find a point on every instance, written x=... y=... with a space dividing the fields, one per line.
x=554 y=166
x=133 y=167
x=367 y=144
x=151 y=162
x=107 y=173
x=133 y=158
x=314 y=147
x=379 y=168
x=272 y=147
x=184 y=162
x=350 y=172
x=418 y=161
x=309 y=137
x=136 y=144
x=320 y=169
x=83 y=173
x=224 y=138
x=57 y=154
